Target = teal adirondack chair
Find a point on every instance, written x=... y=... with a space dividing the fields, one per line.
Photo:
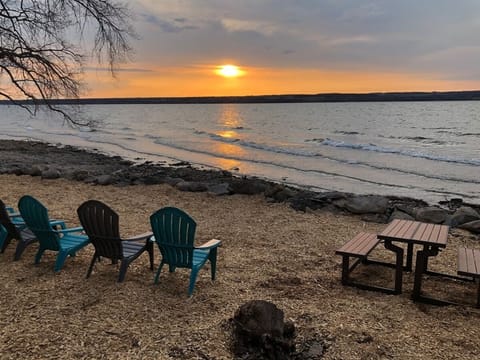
x=174 y=233
x=65 y=241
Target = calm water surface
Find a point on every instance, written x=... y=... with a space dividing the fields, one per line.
x=428 y=150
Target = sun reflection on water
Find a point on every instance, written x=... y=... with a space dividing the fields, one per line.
x=230 y=121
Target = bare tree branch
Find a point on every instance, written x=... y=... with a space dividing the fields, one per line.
x=39 y=60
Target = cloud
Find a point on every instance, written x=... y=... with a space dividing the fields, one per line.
x=168 y=26
x=373 y=35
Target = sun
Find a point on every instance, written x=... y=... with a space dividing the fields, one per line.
x=229 y=71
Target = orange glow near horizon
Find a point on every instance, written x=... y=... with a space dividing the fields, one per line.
x=202 y=81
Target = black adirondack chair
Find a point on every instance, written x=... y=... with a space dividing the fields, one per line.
x=100 y=223
x=14 y=230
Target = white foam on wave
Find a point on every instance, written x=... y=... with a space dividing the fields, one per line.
x=403 y=152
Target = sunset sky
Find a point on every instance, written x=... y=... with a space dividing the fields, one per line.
x=301 y=46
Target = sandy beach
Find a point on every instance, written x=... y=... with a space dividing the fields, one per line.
x=269 y=251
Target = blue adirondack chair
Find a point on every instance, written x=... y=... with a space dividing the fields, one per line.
x=65 y=241
x=174 y=233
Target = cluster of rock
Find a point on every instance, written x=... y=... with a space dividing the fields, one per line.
x=51 y=162
x=260 y=332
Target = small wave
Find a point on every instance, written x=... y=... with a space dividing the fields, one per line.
x=264 y=147
x=409 y=153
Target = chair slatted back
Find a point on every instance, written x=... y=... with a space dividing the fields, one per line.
x=174 y=232
x=35 y=216
x=101 y=224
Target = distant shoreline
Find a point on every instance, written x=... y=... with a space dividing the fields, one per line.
x=287 y=98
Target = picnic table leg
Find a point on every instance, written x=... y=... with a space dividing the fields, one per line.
x=420 y=268
x=408 y=265
x=478 y=293
x=398 y=265
x=345 y=270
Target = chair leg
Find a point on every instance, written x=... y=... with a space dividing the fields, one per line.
x=61 y=257
x=150 y=254
x=213 y=262
x=158 y=272
x=193 y=278
x=39 y=254
x=6 y=241
x=21 y=246
x=92 y=263
x=123 y=270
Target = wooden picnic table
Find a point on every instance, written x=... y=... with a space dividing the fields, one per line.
x=432 y=237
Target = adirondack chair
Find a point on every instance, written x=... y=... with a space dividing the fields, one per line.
x=101 y=225
x=65 y=241
x=15 y=228
x=174 y=233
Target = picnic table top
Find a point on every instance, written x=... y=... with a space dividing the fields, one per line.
x=416 y=232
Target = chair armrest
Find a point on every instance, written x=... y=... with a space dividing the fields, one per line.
x=65 y=231
x=18 y=221
x=139 y=237
x=58 y=222
x=209 y=244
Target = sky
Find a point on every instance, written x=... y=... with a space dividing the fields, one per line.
x=296 y=47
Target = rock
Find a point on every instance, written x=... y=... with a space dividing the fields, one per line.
x=375 y=218
x=50 y=174
x=104 y=180
x=172 y=181
x=35 y=171
x=219 y=189
x=431 y=215
x=191 y=186
x=397 y=214
x=272 y=190
x=79 y=175
x=462 y=215
x=473 y=226
x=284 y=195
x=259 y=332
x=364 y=204
x=247 y=186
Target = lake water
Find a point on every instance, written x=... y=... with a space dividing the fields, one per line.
x=427 y=150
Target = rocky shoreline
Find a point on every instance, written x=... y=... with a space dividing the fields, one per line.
x=52 y=162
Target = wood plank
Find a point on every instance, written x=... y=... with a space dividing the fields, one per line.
x=462 y=260
x=476 y=256
x=443 y=236
x=434 y=235
x=413 y=225
x=470 y=261
x=419 y=232
x=391 y=228
x=360 y=245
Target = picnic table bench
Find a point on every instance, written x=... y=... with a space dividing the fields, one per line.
x=358 y=247
x=469 y=265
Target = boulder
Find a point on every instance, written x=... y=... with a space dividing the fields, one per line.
x=473 y=226
x=397 y=214
x=462 y=215
x=219 y=189
x=50 y=174
x=260 y=332
x=431 y=214
x=248 y=186
x=191 y=186
x=364 y=204
x=104 y=180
